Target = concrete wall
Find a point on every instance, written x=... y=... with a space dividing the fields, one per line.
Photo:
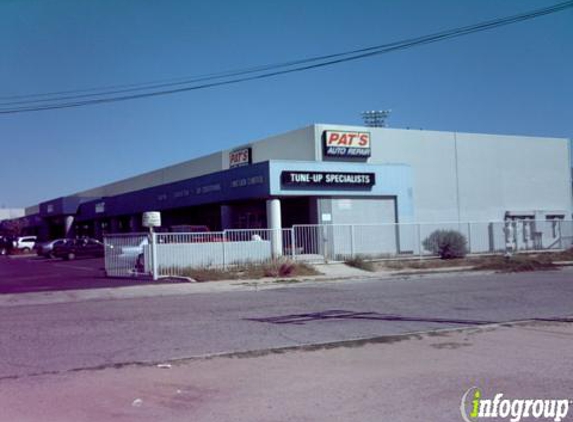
x=188 y=169
x=375 y=234
x=358 y=210
x=391 y=180
x=9 y=213
x=456 y=176
x=477 y=177
x=295 y=145
x=510 y=173
x=31 y=210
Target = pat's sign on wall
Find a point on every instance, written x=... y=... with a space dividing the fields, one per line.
x=338 y=143
x=240 y=157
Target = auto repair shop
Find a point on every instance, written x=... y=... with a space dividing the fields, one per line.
x=331 y=174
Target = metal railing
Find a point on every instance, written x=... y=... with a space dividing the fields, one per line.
x=168 y=254
x=127 y=255
x=329 y=242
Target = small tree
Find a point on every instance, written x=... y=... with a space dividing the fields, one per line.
x=448 y=244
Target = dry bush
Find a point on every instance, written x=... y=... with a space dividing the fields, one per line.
x=517 y=263
x=360 y=263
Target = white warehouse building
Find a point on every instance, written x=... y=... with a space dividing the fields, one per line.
x=333 y=175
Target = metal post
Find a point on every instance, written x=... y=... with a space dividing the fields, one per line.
x=469 y=237
x=292 y=243
x=325 y=242
x=154 y=265
x=352 y=240
x=419 y=241
x=224 y=242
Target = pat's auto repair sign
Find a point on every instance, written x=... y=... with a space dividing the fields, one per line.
x=339 y=143
x=240 y=157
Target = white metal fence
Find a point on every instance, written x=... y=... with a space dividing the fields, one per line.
x=391 y=241
x=124 y=255
x=167 y=254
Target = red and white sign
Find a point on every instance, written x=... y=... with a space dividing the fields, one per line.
x=346 y=144
x=240 y=157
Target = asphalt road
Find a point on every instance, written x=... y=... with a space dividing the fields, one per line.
x=58 y=337
x=412 y=378
x=36 y=274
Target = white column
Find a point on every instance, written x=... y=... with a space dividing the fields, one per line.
x=68 y=225
x=274 y=223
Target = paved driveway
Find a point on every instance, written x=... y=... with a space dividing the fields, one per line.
x=35 y=274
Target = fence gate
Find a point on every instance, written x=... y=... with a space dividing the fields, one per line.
x=126 y=255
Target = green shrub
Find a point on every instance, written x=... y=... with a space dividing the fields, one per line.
x=448 y=244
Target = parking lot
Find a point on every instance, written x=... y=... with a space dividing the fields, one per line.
x=34 y=274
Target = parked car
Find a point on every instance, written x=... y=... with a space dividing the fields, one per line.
x=199 y=234
x=46 y=249
x=189 y=228
x=25 y=243
x=133 y=255
x=75 y=248
x=130 y=252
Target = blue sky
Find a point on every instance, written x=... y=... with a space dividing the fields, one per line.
x=514 y=80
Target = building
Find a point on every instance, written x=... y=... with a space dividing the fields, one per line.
x=332 y=174
x=11 y=213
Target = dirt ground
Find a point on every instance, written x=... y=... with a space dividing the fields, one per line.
x=516 y=263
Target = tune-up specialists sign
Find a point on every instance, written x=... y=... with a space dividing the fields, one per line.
x=329 y=180
x=339 y=143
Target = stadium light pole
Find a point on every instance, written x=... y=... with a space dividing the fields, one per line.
x=375 y=118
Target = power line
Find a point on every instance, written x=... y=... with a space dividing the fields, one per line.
x=166 y=87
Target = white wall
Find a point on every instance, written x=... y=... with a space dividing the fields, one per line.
x=362 y=211
x=492 y=173
x=294 y=145
x=9 y=213
x=509 y=173
x=34 y=209
x=193 y=168
x=457 y=176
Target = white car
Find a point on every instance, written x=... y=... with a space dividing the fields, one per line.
x=128 y=252
x=134 y=255
x=25 y=243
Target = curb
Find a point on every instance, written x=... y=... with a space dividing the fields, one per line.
x=141 y=291
x=21 y=256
